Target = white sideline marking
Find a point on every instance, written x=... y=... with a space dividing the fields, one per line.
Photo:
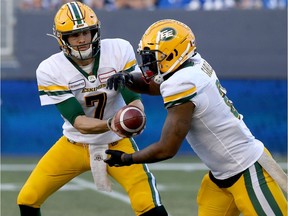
x=177 y=166
x=154 y=166
x=9 y=187
x=17 y=187
x=17 y=167
x=114 y=194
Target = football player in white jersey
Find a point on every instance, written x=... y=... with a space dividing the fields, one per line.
x=75 y=81
x=243 y=177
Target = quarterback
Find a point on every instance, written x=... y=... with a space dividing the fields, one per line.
x=243 y=176
x=74 y=80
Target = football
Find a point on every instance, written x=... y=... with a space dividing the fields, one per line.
x=130 y=120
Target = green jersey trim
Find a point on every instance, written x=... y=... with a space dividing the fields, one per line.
x=129 y=95
x=130 y=69
x=95 y=67
x=53 y=93
x=179 y=101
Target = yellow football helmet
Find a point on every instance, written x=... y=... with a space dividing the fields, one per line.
x=165 y=46
x=75 y=17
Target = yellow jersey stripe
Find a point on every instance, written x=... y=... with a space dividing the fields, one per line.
x=130 y=64
x=53 y=88
x=180 y=95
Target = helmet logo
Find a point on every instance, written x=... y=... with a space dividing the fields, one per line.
x=167 y=34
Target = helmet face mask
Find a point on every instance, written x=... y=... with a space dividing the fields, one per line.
x=73 y=18
x=165 y=46
x=150 y=65
x=81 y=54
x=75 y=50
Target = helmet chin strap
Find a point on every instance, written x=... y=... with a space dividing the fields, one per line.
x=158 y=79
x=81 y=54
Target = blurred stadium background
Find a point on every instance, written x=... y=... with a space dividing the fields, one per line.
x=246 y=47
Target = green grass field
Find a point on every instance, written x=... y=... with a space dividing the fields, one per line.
x=178 y=180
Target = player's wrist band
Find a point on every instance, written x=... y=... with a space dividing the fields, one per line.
x=109 y=121
x=127 y=159
x=128 y=79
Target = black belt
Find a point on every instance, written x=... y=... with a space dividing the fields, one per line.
x=71 y=141
x=225 y=183
x=77 y=143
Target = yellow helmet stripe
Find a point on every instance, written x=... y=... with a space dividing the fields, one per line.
x=76 y=13
x=180 y=59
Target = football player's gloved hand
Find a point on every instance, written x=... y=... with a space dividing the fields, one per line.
x=118 y=158
x=112 y=127
x=119 y=81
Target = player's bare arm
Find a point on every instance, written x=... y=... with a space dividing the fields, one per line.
x=87 y=125
x=134 y=81
x=71 y=110
x=137 y=103
x=140 y=85
x=175 y=128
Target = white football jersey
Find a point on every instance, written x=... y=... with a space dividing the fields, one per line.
x=218 y=134
x=58 y=80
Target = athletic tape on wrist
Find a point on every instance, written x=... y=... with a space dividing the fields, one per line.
x=109 y=121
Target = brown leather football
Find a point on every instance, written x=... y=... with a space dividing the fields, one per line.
x=130 y=120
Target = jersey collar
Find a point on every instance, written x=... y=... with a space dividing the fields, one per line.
x=94 y=71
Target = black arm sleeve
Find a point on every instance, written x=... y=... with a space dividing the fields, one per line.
x=70 y=109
